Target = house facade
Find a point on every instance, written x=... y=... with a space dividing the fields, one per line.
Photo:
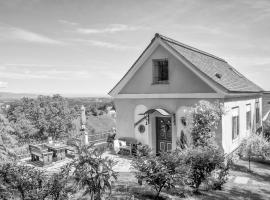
x=168 y=78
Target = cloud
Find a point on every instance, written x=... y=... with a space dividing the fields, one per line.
x=22 y=73
x=103 y=44
x=62 y=21
x=13 y=33
x=3 y=84
x=112 y=28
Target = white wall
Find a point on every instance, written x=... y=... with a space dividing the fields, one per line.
x=141 y=137
x=227 y=142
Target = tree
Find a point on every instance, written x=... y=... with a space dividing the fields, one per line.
x=93 y=173
x=204 y=156
x=51 y=116
x=203 y=121
x=7 y=140
x=24 y=128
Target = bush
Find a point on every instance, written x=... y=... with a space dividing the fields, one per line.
x=93 y=173
x=255 y=146
x=202 y=161
x=25 y=182
x=203 y=121
x=266 y=129
x=160 y=172
x=143 y=150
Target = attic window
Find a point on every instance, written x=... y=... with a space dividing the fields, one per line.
x=218 y=75
x=160 y=71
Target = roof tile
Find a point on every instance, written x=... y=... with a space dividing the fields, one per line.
x=211 y=65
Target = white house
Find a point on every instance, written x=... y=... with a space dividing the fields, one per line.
x=153 y=96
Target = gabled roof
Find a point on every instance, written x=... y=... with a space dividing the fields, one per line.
x=214 y=68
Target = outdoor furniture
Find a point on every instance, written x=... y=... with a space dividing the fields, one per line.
x=129 y=147
x=40 y=154
x=58 y=149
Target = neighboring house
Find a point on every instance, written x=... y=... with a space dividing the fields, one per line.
x=153 y=97
x=265 y=105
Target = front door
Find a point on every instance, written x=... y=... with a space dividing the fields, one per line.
x=164 y=133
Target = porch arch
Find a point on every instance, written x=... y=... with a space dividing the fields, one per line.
x=141 y=128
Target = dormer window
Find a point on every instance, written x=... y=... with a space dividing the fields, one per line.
x=160 y=71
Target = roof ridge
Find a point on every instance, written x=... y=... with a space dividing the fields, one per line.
x=189 y=47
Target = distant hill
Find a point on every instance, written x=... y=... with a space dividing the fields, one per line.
x=6 y=96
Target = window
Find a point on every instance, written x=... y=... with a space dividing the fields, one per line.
x=257 y=111
x=235 y=123
x=248 y=117
x=160 y=71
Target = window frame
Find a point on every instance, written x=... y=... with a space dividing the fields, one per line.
x=237 y=129
x=156 y=72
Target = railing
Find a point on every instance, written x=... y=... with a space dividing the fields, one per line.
x=100 y=137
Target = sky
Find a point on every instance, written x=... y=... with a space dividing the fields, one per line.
x=84 y=47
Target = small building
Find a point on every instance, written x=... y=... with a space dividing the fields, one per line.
x=168 y=78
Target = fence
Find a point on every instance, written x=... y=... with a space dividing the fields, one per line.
x=22 y=151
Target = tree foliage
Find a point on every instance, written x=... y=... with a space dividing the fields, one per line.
x=7 y=140
x=202 y=160
x=29 y=183
x=93 y=173
x=160 y=172
x=203 y=122
x=41 y=117
x=255 y=146
x=266 y=129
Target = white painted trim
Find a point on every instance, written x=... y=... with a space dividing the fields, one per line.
x=170 y=96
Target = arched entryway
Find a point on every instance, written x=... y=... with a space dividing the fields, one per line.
x=161 y=129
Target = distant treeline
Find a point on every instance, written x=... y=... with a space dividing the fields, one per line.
x=93 y=106
x=53 y=116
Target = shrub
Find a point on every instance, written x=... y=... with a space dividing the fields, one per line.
x=58 y=184
x=203 y=121
x=254 y=146
x=143 y=150
x=266 y=129
x=160 y=172
x=93 y=173
x=28 y=182
x=202 y=161
x=219 y=176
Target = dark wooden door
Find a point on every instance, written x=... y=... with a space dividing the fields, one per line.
x=164 y=133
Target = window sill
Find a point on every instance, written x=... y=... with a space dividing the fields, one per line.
x=161 y=83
